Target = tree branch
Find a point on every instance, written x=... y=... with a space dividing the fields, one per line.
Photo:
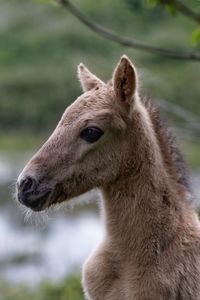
x=126 y=41
x=183 y=9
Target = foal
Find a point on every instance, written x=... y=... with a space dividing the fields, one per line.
x=113 y=139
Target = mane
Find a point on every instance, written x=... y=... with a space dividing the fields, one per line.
x=172 y=156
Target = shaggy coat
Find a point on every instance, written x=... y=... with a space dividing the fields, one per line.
x=151 y=247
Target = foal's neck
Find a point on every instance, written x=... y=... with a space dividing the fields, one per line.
x=141 y=209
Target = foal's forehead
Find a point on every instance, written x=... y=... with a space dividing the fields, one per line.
x=97 y=98
x=88 y=105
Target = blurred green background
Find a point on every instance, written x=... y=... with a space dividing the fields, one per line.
x=40 y=48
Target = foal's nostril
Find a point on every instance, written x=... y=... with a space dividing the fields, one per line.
x=27 y=184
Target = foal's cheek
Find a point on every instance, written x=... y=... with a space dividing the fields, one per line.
x=81 y=153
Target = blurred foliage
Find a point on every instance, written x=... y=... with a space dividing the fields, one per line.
x=16 y=142
x=42 y=44
x=191 y=152
x=69 y=289
x=196 y=36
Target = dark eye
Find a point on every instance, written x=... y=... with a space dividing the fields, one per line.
x=91 y=134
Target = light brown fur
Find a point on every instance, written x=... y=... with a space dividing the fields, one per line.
x=151 y=248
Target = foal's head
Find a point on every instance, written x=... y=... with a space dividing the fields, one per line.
x=88 y=146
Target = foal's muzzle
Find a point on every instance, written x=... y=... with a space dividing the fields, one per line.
x=30 y=193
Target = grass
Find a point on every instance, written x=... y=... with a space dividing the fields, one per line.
x=69 y=289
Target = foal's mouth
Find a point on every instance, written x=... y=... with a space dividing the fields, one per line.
x=39 y=195
x=39 y=200
x=36 y=201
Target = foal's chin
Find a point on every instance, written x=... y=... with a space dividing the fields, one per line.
x=39 y=204
x=48 y=201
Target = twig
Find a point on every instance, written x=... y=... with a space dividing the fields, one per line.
x=183 y=9
x=126 y=41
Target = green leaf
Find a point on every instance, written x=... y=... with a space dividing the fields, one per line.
x=196 y=36
x=152 y=3
x=171 y=8
x=54 y=2
x=42 y=1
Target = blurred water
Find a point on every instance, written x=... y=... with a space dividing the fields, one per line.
x=47 y=256
x=32 y=253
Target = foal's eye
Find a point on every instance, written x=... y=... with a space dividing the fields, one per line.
x=91 y=134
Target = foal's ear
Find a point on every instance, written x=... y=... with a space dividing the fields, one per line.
x=87 y=79
x=125 y=80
